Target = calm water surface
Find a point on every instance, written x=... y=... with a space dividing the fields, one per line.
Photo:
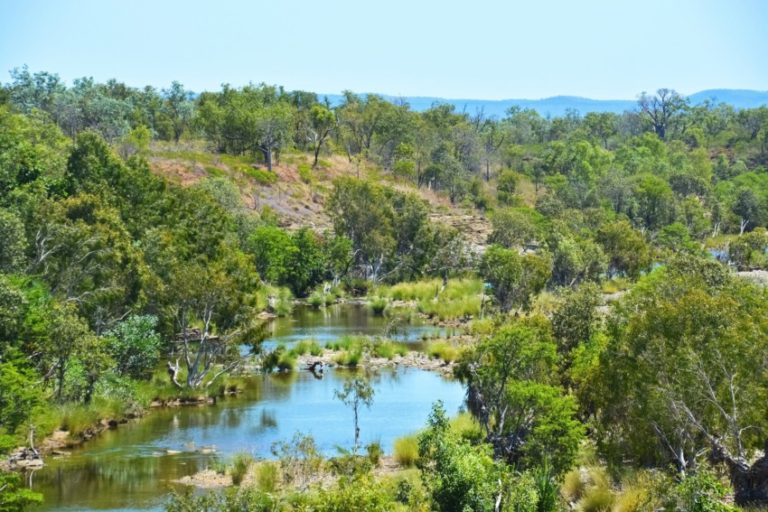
x=129 y=468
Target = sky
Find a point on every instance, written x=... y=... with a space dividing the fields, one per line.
x=483 y=49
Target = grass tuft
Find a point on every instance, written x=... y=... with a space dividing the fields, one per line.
x=406 y=450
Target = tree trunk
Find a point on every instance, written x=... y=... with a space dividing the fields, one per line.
x=317 y=153
x=750 y=483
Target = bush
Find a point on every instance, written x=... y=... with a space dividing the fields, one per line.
x=135 y=346
x=406 y=450
x=349 y=358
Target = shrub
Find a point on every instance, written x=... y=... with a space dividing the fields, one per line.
x=406 y=450
x=349 y=358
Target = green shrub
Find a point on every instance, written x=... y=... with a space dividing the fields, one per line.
x=261 y=176
x=406 y=450
x=597 y=499
x=350 y=358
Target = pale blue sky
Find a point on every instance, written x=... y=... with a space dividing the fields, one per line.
x=480 y=49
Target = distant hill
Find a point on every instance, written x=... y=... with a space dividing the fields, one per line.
x=559 y=105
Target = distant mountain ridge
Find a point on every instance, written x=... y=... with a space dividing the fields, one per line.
x=559 y=105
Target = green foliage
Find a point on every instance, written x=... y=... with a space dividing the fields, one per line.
x=14 y=497
x=686 y=337
x=135 y=346
x=512 y=374
x=514 y=279
x=19 y=395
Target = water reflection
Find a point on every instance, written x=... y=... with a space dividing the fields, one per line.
x=134 y=466
x=329 y=324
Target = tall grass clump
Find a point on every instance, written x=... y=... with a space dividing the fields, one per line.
x=467 y=427
x=350 y=358
x=306 y=347
x=240 y=465
x=286 y=362
x=442 y=350
x=388 y=349
x=378 y=305
x=267 y=476
x=406 y=450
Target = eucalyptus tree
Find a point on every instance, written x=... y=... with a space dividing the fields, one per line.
x=683 y=376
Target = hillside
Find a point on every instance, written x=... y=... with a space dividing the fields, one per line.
x=297 y=194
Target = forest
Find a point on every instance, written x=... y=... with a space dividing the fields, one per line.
x=606 y=273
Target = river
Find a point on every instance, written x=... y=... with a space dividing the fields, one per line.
x=130 y=468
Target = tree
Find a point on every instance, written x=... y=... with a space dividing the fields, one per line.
x=662 y=110
x=135 y=346
x=628 y=252
x=272 y=125
x=510 y=390
x=749 y=209
x=356 y=393
x=685 y=367
x=14 y=242
x=219 y=297
x=459 y=477
x=177 y=105
x=601 y=125
x=514 y=279
x=322 y=122
x=19 y=395
x=576 y=319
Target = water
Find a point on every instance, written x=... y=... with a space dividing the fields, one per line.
x=329 y=324
x=129 y=468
